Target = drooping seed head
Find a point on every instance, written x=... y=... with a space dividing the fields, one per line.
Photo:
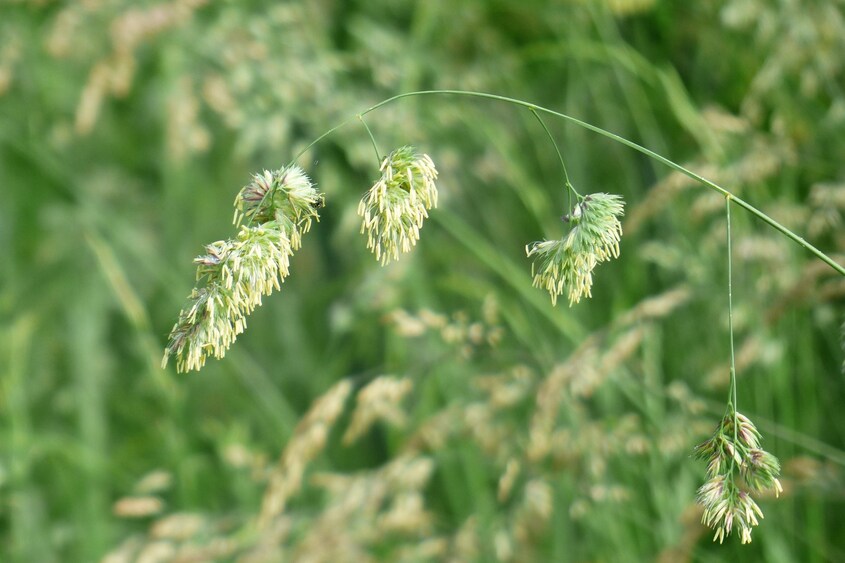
x=394 y=209
x=567 y=264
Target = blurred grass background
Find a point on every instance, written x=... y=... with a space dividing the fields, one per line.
x=513 y=431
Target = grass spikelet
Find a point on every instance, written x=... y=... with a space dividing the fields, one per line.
x=567 y=265
x=394 y=209
x=733 y=455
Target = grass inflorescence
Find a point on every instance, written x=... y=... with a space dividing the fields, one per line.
x=465 y=418
x=567 y=265
x=273 y=212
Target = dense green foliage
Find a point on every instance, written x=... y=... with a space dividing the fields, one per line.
x=512 y=430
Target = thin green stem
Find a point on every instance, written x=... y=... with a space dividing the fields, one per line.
x=373 y=139
x=324 y=135
x=569 y=187
x=732 y=400
x=738 y=201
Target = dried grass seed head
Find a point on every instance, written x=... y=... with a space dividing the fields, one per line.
x=308 y=440
x=380 y=400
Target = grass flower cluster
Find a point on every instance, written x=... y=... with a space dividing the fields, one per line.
x=734 y=457
x=394 y=209
x=276 y=208
x=567 y=264
x=285 y=198
x=508 y=429
x=273 y=212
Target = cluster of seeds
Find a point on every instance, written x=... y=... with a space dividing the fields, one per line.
x=567 y=264
x=395 y=208
x=273 y=212
x=734 y=453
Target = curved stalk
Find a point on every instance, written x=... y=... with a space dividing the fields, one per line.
x=533 y=107
x=373 y=139
x=569 y=187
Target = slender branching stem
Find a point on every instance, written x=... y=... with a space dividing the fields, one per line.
x=732 y=400
x=569 y=187
x=326 y=134
x=373 y=139
x=651 y=154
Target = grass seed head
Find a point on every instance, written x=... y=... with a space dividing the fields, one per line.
x=567 y=264
x=273 y=211
x=394 y=209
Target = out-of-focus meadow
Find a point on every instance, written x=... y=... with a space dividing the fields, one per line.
x=438 y=409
